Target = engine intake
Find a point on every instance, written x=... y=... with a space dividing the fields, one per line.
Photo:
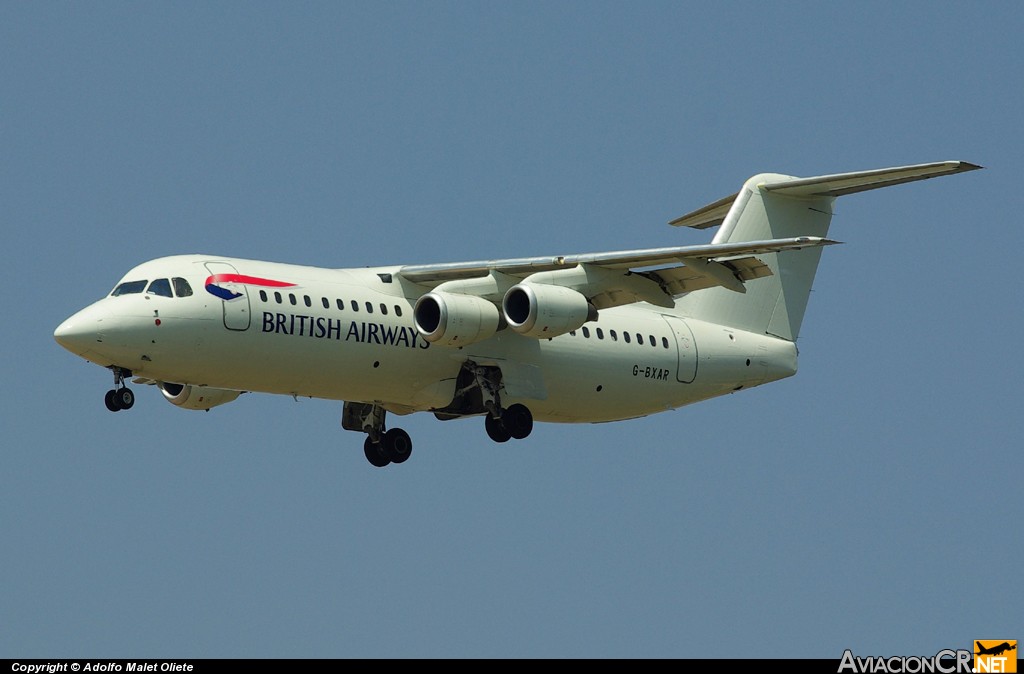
x=450 y=319
x=196 y=397
x=543 y=311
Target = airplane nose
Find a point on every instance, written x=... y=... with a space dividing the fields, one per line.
x=81 y=332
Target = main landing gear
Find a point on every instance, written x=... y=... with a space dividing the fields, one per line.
x=478 y=391
x=381 y=446
x=514 y=422
x=394 y=446
x=120 y=397
x=501 y=425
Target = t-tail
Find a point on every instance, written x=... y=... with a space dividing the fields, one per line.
x=773 y=206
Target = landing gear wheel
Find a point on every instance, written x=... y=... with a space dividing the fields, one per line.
x=396 y=445
x=518 y=420
x=496 y=429
x=110 y=401
x=124 y=398
x=374 y=453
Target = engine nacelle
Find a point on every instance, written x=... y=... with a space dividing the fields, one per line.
x=542 y=311
x=196 y=397
x=450 y=319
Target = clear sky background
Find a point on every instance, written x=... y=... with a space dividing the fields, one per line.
x=871 y=502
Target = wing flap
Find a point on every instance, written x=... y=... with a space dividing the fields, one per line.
x=686 y=279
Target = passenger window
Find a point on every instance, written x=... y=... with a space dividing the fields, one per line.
x=384 y=308
x=369 y=308
x=625 y=336
x=615 y=336
x=129 y=288
x=327 y=305
x=398 y=310
x=600 y=333
x=664 y=342
x=181 y=287
x=308 y=301
x=341 y=305
x=291 y=298
x=651 y=337
x=263 y=295
x=355 y=306
x=586 y=332
x=639 y=339
x=277 y=297
x=161 y=287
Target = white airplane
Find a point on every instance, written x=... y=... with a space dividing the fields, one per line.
x=574 y=338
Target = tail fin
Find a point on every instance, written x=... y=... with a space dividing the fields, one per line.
x=773 y=206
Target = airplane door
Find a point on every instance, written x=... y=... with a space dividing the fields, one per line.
x=686 y=350
x=234 y=296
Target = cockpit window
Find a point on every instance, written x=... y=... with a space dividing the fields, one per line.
x=129 y=288
x=181 y=287
x=161 y=287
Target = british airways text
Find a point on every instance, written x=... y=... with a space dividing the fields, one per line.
x=321 y=327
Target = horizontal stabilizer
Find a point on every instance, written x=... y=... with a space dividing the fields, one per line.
x=711 y=215
x=841 y=184
x=835 y=185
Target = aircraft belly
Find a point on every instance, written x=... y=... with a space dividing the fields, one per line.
x=606 y=392
x=590 y=379
x=325 y=366
x=593 y=380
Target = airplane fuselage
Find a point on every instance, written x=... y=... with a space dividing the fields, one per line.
x=349 y=334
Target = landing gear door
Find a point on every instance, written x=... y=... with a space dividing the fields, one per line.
x=686 y=350
x=223 y=283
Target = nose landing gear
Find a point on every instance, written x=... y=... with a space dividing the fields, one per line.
x=120 y=397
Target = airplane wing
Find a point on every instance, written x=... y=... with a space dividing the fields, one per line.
x=623 y=277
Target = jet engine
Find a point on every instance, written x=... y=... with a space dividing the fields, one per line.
x=450 y=319
x=196 y=397
x=543 y=311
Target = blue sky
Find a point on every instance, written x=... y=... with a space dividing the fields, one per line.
x=872 y=502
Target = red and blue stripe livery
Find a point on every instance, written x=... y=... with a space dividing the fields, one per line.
x=225 y=294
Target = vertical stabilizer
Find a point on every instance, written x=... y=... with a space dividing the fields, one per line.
x=773 y=206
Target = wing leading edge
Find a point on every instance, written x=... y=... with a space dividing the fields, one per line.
x=623 y=277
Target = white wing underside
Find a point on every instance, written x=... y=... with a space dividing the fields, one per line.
x=655 y=275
